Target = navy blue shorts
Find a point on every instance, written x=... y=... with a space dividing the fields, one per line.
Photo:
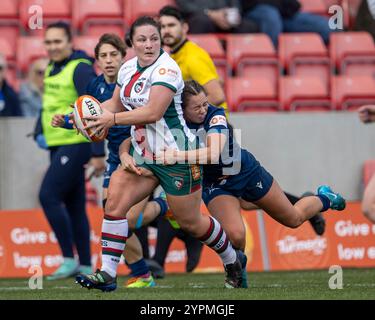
x=111 y=167
x=251 y=184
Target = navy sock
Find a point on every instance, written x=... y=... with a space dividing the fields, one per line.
x=138 y=268
x=325 y=201
x=163 y=206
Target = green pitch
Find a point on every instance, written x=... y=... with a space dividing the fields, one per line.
x=357 y=284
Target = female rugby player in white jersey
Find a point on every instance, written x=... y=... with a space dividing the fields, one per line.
x=149 y=88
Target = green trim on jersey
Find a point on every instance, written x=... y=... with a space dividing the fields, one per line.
x=165 y=84
x=141 y=69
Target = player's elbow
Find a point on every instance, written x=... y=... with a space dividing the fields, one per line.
x=154 y=117
x=214 y=157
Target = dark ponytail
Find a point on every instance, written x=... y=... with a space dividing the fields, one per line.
x=141 y=21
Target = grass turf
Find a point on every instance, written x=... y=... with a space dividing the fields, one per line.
x=357 y=284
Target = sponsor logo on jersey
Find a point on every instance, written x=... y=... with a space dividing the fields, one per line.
x=218 y=120
x=162 y=71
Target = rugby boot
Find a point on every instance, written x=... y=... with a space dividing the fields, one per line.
x=143 y=281
x=100 y=280
x=336 y=201
x=233 y=277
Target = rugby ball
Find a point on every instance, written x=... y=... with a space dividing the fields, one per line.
x=88 y=106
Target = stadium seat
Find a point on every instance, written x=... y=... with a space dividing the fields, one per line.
x=303 y=93
x=86 y=43
x=52 y=11
x=129 y=54
x=350 y=92
x=352 y=49
x=28 y=49
x=98 y=29
x=256 y=94
x=316 y=6
x=8 y=51
x=368 y=171
x=9 y=12
x=351 y=6
x=10 y=33
x=136 y=8
x=251 y=55
x=91 y=12
x=304 y=54
x=212 y=45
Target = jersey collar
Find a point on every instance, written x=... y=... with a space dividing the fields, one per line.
x=141 y=69
x=175 y=50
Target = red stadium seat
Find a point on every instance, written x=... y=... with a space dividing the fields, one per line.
x=136 y=8
x=129 y=54
x=86 y=43
x=89 y=12
x=10 y=33
x=303 y=93
x=350 y=92
x=352 y=49
x=316 y=6
x=251 y=55
x=98 y=29
x=368 y=171
x=8 y=51
x=304 y=53
x=212 y=45
x=256 y=94
x=9 y=12
x=52 y=11
x=28 y=49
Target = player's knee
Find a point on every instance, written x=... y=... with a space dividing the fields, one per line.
x=237 y=237
x=113 y=209
x=293 y=222
x=47 y=197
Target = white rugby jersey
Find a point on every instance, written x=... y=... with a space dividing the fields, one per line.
x=136 y=82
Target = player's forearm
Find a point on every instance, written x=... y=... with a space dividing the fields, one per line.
x=138 y=116
x=199 y=156
x=125 y=146
x=112 y=105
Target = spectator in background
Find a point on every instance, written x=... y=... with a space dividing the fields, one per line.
x=276 y=16
x=31 y=90
x=365 y=20
x=9 y=103
x=215 y=16
x=367 y=115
